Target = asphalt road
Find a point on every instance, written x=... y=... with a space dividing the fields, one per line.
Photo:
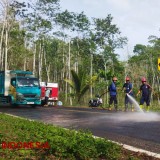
x=141 y=130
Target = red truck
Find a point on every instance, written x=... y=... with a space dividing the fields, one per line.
x=53 y=92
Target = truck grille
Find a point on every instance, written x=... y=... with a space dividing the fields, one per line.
x=29 y=95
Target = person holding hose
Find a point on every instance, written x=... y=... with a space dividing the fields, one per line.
x=113 y=93
x=127 y=87
x=145 y=90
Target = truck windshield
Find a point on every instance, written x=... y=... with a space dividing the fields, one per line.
x=27 y=82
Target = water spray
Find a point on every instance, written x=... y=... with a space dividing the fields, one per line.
x=134 y=102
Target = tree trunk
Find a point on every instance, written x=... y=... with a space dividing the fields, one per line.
x=91 y=73
x=69 y=70
x=1 y=49
x=25 y=62
x=6 y=49
x=40 y=61
x=47 y=66
x=34 y=59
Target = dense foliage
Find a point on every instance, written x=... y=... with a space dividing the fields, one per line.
x=40 y=37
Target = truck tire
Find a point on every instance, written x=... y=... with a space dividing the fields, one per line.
x=33 y=105
x=10 y=101
x=14 y=105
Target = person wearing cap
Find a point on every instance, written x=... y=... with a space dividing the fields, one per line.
x=127 y=88
x=113 y=93
x=145 y=90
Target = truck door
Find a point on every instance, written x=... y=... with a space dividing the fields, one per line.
x=12 y=88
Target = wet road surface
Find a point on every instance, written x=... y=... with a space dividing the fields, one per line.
x=141 y=130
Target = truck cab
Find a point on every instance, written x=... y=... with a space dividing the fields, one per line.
x=19 y=88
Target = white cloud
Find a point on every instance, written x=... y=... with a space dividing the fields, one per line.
x=137 y=19
x=119 y=4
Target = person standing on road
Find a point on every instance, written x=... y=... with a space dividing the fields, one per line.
x=145 y=90
x=113 y=93
x=127 y=88
x=47 y=94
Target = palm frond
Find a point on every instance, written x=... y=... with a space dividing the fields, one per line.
x=76 y=80
x=70 y=82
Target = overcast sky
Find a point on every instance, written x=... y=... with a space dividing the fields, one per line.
x=136 y=19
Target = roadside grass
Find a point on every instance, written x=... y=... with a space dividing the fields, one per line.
x=61 y=143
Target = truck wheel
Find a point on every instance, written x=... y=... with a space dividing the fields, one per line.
x=42 y=102
x=9 y=100
x=33 y=106
x=14 y=105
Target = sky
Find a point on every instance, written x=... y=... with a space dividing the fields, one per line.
x=136 y=19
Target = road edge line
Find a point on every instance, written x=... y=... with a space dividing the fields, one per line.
x=135 y=149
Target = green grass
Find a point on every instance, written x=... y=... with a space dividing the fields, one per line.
x=63 y=144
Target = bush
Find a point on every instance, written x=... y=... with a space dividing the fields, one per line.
x=64 y=144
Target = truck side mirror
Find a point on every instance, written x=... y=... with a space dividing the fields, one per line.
x=14 y=83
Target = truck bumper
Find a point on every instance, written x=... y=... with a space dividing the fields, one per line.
x=28 y=102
